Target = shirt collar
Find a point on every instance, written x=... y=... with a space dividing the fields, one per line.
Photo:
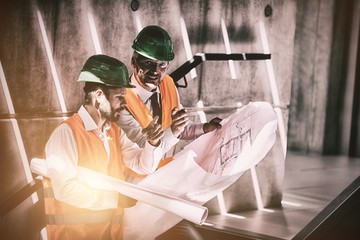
x=143 y=93
x=89 y=123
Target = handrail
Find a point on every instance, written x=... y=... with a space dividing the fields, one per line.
x=14 y=200
x=201 y=57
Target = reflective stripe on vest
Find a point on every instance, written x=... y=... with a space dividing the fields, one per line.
x=141 y=113
x=68 y=222
x=62 y=213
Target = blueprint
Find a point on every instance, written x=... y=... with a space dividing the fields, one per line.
x=205 y=167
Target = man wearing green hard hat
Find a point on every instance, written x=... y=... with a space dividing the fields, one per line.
x=155 y=94
x=91 y=139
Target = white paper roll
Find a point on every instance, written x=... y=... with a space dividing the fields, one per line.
x=185 y=209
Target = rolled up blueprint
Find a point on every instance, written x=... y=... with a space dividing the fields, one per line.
x=185 y=209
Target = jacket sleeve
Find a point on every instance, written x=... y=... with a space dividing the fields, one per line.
x=141 y=160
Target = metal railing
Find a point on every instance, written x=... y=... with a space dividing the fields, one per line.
x=21 y=195
x=198 y=58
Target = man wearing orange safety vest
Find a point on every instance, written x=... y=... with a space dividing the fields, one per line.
x=155 y=94
x=91 y=139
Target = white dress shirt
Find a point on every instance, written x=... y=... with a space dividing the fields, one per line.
x=133 y=129
x=62 y=162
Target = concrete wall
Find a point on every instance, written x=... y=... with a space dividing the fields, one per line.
x=318 y=120
x=69 y=37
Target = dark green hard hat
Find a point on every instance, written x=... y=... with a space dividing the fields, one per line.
x=106 y=70
x=155 y=43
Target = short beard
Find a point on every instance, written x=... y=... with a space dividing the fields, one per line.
x=105 y=110
x=112 y=117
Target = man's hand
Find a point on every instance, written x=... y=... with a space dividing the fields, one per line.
x=153 y=132
x=212 y=125
x=179 y=121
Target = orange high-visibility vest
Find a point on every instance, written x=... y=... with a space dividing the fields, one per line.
x=141 y=113
x=64 y=221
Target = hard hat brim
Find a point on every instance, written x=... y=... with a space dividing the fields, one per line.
x=86 y=76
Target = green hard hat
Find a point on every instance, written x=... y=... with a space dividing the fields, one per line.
x=105 y=70
x=155 y=43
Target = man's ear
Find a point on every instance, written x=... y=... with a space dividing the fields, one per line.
x=98 y=95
